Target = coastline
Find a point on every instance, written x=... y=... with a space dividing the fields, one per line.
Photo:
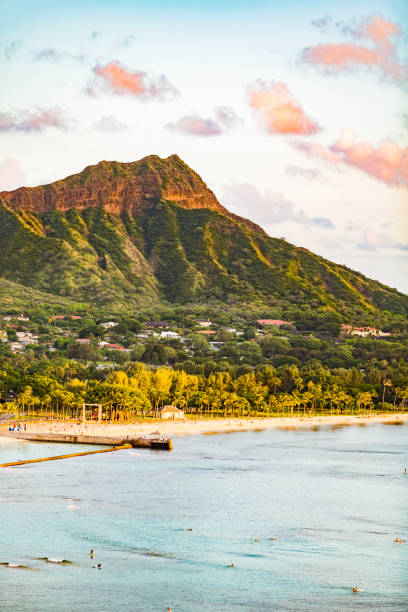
x=212 y=426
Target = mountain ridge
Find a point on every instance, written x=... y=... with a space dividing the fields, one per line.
x=152 y=230
x=130 y=186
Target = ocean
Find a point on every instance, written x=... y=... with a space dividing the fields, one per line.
x=302 y=515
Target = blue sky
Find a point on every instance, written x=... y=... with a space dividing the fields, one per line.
x=252 y=95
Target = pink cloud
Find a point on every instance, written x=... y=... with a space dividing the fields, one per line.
x=371 y=241
x=379 y=30
x=224 y=118
x=33 y=120
x=194 y=124
x=387 y=161
x=11 y=174
x=278 y=110
x=379 y=53
x=117 y=79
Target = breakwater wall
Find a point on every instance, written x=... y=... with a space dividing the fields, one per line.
x=153 y=443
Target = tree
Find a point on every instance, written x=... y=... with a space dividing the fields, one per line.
x=386 y=383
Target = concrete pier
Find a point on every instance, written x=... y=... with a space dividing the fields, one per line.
x=152 y=443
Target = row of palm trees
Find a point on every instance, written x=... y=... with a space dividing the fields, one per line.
x=142 y=395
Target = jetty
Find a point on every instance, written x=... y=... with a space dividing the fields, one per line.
x=154 y=441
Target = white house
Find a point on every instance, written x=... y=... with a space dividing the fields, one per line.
x=108 y=324
x=363 y=332
x=16 y=346
x=171 y=412
x=26 y=338
x=206 y=323
x=169 y=334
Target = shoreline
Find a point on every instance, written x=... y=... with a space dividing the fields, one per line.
x=211 y=426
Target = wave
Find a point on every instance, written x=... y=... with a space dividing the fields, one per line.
x=53 y=560
x=15 y=566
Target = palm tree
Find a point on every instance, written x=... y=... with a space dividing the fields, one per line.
x=386 y=383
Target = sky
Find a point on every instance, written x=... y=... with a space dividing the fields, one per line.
x=294 y=113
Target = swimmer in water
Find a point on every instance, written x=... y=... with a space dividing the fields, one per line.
x=355 y=589
x=99 y=565
x=405 y=471
x=232 y=565
x=92 y=553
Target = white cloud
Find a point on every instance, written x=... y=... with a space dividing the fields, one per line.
x=267 y=208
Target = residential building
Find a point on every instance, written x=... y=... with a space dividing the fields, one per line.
x=108 y=324
x=26 y=338
x=204 y=323
x=169 y=334
x=363 y=332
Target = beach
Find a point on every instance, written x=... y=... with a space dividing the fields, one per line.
x=193 y=427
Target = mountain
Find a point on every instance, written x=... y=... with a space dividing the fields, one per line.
x=151 y=231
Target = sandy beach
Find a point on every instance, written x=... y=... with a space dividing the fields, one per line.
x=211 y=426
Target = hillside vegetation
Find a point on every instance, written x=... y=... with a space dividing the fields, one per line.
x=138 y=235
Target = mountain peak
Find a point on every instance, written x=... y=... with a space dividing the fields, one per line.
x=119 y=186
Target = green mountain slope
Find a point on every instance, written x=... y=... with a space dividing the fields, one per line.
x=151 y=231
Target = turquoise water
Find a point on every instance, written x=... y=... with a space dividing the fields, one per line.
x=334 y=499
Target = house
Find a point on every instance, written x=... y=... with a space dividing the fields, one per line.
x=204 y=323
x=16 y=317
x=26 y=338
x=83 y=340
x=207 y=332
x=108 y=324
x=216 y=345
x=156 y=324
x=16 y=346
x=233 y=330
x=115 y=347
x=171 y=412
x=275 y=322
x=169 y=334
x=363 y=332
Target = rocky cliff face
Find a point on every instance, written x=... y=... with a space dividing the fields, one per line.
x=119 y=187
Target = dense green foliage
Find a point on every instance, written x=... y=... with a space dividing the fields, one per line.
x=131 y=367
x=35 y=386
